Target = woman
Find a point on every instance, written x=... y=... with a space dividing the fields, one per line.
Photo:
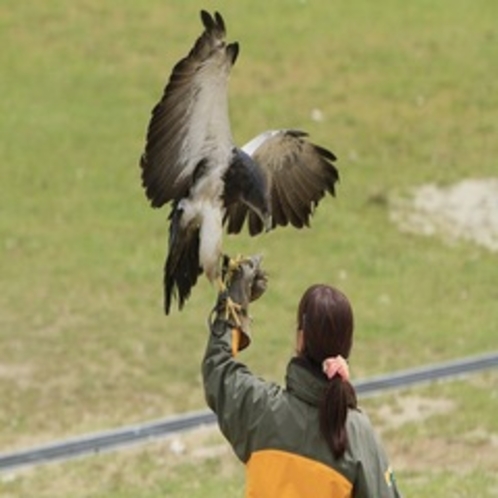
x=308 y=438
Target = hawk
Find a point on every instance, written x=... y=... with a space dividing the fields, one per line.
x=192 y=162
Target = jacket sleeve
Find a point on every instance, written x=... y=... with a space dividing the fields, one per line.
x=237 y=397
x=375 y=477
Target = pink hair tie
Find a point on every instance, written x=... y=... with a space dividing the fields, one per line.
x=336 y=366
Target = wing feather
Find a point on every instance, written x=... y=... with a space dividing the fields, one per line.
x=191 y=120
x=299 y=174
x=235 y=216
x=278 y=215
x=255 y=224
x=284 y=190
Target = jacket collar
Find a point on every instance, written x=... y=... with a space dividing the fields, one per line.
x=305 y=381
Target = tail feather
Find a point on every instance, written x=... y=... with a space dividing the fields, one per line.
x=182 y=267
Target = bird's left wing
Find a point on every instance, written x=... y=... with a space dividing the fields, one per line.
x=298 y=173
x=190 y=124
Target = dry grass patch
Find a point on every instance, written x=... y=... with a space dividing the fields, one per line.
x=466 y=210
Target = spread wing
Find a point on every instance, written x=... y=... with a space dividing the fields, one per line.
x=190 y=123
x=299 y=174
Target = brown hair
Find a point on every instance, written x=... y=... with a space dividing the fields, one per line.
x=326 y=320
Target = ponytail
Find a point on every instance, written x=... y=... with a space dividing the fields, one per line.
x=339 y=397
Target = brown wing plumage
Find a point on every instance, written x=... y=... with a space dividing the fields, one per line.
x=193 y=109
x=299 y=175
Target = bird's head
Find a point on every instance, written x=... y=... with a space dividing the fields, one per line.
x=259 y=204
x=254 y=193
x=245 y=181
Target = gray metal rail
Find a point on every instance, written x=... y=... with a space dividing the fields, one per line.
x=128 y=435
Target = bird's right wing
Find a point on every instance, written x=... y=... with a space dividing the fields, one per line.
x=299 y=173
x=190 y=124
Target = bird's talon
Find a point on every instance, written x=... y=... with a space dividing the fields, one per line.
x=232 y=310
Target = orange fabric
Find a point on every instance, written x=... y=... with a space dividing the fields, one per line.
x=274 y=473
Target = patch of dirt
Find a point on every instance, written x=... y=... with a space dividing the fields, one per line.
x=431 y=453
x=412 y=409
x=15 y=372
x=462 y=453
x=467 y=210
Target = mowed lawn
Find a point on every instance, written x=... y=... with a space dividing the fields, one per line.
x=403 y=93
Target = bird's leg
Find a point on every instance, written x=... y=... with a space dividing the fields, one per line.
x=230 y=266
x=231 y=307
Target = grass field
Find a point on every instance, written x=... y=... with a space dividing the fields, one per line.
x=406 y=94
x=442 y=438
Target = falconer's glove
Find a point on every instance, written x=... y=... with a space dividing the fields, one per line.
x=244 y=281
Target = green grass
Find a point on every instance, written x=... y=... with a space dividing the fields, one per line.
x=407 y=94
x=441 y=439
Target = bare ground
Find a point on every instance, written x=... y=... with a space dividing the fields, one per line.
x=466 y=210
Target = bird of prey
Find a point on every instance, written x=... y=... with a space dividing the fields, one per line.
x=191 y=161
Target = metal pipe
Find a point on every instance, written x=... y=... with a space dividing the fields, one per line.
x=135 y=434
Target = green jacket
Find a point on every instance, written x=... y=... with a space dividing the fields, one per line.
x=275 y=431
